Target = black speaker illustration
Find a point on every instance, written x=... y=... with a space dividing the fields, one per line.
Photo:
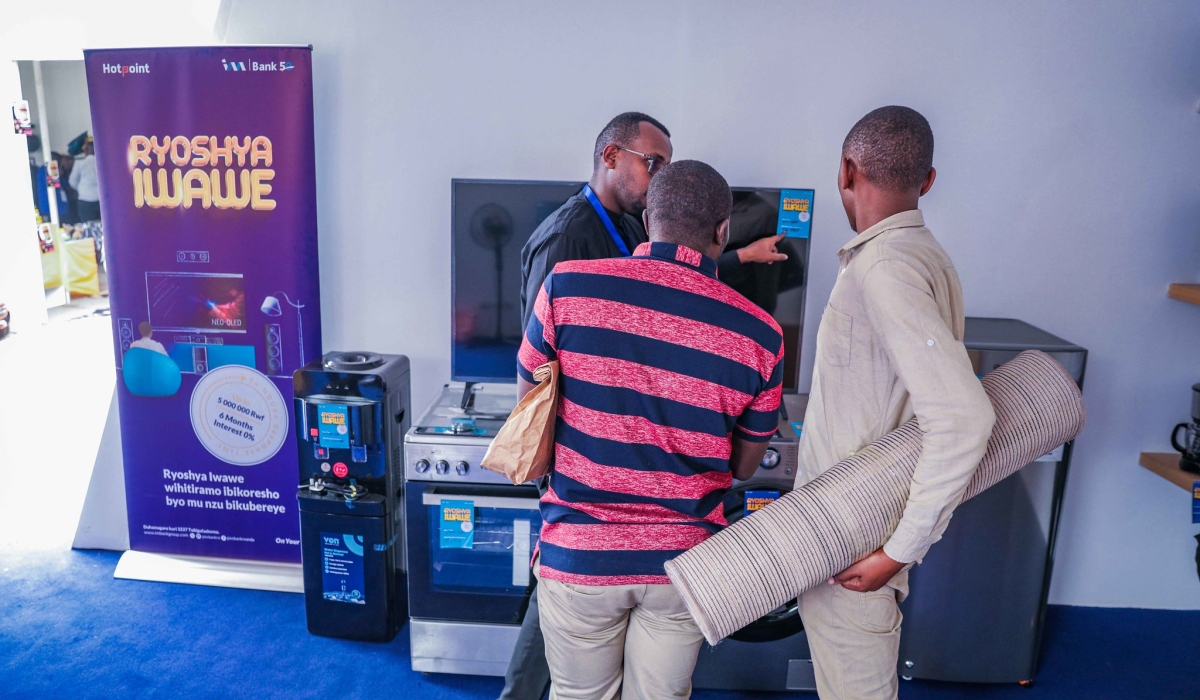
x=125 y=333
x=274 y=348
x=200 y=359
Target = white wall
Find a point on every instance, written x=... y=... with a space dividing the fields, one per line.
x=1067 y=152
x=67 y=111
x=64 y=84
x=20 y=259
x=1067 y=194
x=59 y=30
x=29 y=94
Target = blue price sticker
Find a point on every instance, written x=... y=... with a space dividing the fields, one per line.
x=333 y=425
x=1196 y=501
x=757 y=500
x=795 y=213
x=457 y=524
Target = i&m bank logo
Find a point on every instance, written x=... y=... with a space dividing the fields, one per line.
x=256 y=67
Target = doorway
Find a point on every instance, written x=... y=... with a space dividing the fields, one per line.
x=65 y=187
x=56 y=379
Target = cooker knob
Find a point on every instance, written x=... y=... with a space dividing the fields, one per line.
x=461 y=468
x=770 y=459
x=441 y=467
x=422 y=466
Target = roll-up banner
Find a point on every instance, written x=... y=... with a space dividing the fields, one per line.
x=208 y=201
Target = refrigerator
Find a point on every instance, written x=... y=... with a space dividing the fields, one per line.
x=977 y=603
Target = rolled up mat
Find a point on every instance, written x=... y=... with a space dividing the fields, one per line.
x=819 y=529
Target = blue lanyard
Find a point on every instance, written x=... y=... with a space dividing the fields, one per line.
x=608 y=223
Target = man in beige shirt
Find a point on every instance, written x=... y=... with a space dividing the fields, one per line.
x=889 y=348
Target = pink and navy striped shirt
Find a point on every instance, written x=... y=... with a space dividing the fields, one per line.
x=661 y=365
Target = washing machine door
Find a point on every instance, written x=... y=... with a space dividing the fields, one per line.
x=784 y=621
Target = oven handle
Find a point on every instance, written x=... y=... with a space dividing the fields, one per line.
x=432 y=497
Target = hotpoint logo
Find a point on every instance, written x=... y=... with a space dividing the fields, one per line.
x=123 y=70
x=255 y=66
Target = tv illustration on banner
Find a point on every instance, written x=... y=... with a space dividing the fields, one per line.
x=197 y=302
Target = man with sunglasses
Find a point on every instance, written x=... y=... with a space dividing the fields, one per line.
x=605 y=219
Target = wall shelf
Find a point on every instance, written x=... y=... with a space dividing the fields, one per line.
x=1166 y=465
x=1185 y=292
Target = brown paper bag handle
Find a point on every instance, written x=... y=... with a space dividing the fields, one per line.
x=542 y=373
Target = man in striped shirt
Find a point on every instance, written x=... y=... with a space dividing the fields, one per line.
x=670 y=387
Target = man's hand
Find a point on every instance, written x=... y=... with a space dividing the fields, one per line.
x=762 y=251
x=868 y=574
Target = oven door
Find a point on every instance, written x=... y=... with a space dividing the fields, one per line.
x=487 y=577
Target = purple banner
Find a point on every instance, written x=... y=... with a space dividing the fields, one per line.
x=208 y=199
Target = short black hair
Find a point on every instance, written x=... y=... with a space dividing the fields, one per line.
x=893 y=146
x=686 y=201
x=622 y=130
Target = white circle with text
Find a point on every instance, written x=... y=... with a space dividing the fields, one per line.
x=239 y=415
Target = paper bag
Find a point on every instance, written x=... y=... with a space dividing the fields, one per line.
x=523 y=449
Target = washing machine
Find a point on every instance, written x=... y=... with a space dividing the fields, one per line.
x=770 y=653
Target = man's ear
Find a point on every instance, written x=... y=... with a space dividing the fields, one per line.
x=928 y=184
x=721 y=236
x=847 y=174
x=609 y=156
x=646 y=220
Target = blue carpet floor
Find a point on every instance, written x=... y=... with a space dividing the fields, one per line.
x=69 y=630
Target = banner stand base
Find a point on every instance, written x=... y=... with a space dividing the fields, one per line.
x=211 y=571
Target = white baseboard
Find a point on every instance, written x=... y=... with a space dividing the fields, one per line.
x=211 y=571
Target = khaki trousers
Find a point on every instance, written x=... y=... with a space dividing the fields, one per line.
x=855 y=639
x=607 y=642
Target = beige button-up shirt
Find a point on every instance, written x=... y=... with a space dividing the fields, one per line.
x=889 y=348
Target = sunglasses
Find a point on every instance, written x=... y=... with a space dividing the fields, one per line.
x=653 y=163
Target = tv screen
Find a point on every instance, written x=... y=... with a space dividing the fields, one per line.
x=196 y=302
x=492 y=219
x=777 y=288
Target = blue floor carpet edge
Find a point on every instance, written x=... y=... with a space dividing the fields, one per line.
x=70 y=630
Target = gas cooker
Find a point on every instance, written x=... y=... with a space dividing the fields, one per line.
x=448 y=442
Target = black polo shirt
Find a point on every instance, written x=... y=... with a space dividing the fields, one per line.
x=573 y=232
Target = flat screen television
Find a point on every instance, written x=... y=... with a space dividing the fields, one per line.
x=491 y=220
x=197 y=302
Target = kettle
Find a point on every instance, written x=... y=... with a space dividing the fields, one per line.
x=1190 y=447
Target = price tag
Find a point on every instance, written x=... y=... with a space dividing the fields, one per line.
x=333 y=425
x=458 y=524
x=795 y=213
x=757 y=500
